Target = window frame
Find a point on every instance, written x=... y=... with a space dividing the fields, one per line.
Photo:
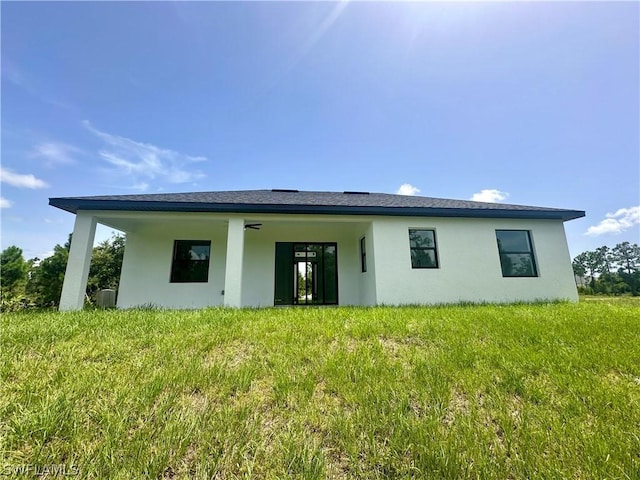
x=434 y=248
x=177 y=273
x=363 y=255
x=531 y=253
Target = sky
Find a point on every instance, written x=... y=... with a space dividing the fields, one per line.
x=532 y=103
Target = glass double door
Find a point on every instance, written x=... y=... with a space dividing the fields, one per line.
x=306 y=274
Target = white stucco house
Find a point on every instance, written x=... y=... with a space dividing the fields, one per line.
x=287 y=247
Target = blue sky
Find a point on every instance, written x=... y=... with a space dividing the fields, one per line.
x=533 y=103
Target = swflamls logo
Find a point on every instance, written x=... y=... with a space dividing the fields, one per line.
x=49 y=470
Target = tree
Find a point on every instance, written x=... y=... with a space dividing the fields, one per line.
x=579 y=266
x=587 y=263
x=38 y=283
x=605 y=261
x=13 y=272
x=601 y=265
x=106 y=264
x=47 y=277
x=627 y=258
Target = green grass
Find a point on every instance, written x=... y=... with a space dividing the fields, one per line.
x=524 y=391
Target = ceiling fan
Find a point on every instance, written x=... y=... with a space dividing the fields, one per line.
x=253 y=226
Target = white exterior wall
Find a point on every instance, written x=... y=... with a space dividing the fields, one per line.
x=259 y=265
x=146 y=269
x=367 y=279
x=148 y=257
x=469 y=263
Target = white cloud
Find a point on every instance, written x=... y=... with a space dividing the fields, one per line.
x=27 y=82
x=18 y=77
x=4 y=203
x=143 y=161
x=142 y=186
x=489 y=196
x=407 y=189
x=55 y=153
x=45 y=254
x=20 y=180
x=617 y=222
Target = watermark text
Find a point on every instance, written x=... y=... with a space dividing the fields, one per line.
x=48 y=469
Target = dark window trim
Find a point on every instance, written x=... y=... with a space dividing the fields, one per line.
x=529 y=252
x=174 y=277
x=363 y=255
x=324 y=279
x=434 y=248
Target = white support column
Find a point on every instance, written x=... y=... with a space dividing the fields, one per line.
x=371 y=296
x=75 y=278
x=378 y=263
x=235 y=255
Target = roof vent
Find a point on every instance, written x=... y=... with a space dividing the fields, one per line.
x=283 y=190
x=356 y=193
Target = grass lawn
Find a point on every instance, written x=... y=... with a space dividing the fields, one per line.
x=522 y=391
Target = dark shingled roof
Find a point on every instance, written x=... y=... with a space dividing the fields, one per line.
x=292 y=201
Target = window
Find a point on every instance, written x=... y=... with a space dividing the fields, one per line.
x=516 y=253
x=363 y=255
x=423 y=248
x=190 y=261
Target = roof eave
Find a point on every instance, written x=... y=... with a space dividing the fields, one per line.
x=73 y=205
